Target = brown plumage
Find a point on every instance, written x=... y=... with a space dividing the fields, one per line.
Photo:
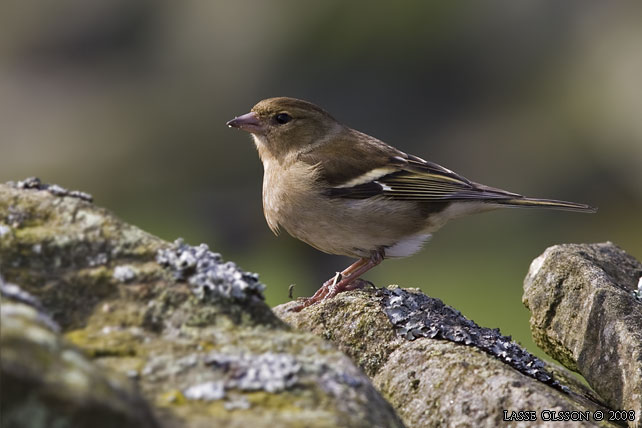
x=345 y=192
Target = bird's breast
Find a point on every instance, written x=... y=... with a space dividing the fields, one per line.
x=294 y=200
x=288 y=189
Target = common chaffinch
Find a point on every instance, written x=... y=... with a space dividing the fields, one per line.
x=347 y=193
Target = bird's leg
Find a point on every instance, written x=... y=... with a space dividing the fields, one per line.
x=325 y=288
x=352 y=274
x=344 y=281
x=321 y=292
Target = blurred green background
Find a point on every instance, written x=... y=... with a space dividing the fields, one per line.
x=128 y=100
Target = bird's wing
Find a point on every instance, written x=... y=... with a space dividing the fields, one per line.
x=371 y=168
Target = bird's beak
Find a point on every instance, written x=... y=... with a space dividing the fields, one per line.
x=248 y=122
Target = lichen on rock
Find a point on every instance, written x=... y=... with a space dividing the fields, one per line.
x=191 y=334
x=36 y=184
x=208 y=274
x=191 y=331
x=416 y=315
x=433 y=365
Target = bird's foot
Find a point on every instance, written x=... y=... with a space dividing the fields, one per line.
x=329 y=289
x=343 y=281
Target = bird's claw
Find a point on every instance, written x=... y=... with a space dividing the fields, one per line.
x=330 y=289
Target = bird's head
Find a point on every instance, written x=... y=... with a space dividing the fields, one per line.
x=283 y=125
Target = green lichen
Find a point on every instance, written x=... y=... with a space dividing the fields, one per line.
x=120 y=343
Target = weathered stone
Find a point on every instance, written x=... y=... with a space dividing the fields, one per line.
x=191 y=330
x=48 y=383
x=416 y=315
x=465 y=376
x=585 y=314
x=193 y=334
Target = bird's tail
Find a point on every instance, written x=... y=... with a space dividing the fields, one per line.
x=546 y=203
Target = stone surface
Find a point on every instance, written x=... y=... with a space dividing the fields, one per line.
x=453 y=379
x=188 y=330
x=416 y=315
x=584 y=313
x=48 y=383
x=122 y=326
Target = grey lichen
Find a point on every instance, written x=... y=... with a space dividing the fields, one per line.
x=207 y=273
x=270 y=372
x=206 y=391
x=417 y=315
x=54 y=189
x=124 y=273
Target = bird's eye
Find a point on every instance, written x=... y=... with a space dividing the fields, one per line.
x=282 y=118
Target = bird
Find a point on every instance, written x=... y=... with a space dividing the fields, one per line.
x=347 y=193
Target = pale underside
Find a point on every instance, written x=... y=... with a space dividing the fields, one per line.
x=350 y=227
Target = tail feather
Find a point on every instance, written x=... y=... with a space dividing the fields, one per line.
x=546 y=203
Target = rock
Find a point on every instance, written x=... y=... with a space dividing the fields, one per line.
x=585 y=314
x=438 y=368
x=188 y=330
x=46 y=382
x=103 y=323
